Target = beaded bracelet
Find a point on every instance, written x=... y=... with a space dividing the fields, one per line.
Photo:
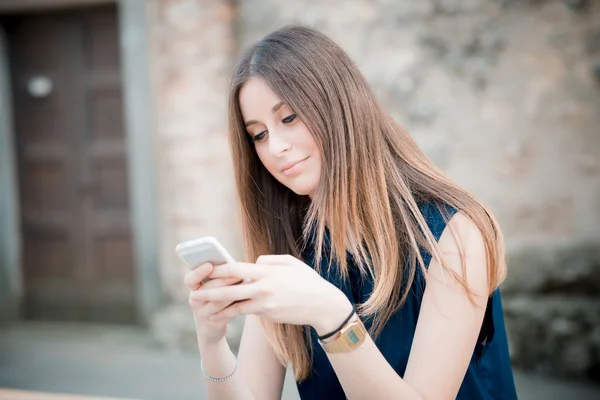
x=210 y=378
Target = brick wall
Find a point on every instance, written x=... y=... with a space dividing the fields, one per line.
x=192 y=49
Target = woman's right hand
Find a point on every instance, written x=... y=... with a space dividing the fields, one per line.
x=208 y=332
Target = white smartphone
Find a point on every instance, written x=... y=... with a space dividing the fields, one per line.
x=199 y=251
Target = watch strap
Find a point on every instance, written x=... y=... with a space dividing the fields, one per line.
x=348 y=338
x=335 y=331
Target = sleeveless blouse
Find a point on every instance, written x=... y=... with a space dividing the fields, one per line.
x=489 y=374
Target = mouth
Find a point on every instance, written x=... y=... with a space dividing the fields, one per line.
x=292 y=167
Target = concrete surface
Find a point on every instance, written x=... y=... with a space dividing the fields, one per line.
x=18 y=394
x=126 y=363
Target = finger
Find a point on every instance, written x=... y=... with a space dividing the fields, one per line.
x=220 y=282
x=235 y=310
x=227 y=293
x=206 y=309
x=238 y=270
x=275 y=259
x=193 y=279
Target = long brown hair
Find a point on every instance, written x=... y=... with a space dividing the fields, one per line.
x=373 y=177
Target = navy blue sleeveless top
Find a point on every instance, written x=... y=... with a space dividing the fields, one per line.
x=489 y=375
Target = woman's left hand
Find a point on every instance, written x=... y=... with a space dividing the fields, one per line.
x=282 y=289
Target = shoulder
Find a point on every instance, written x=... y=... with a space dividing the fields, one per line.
x=461 y=234
x=463 y=251
x=452 y=228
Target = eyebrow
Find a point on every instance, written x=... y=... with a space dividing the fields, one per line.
x=273 y=110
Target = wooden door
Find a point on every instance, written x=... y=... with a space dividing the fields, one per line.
x=76 y=245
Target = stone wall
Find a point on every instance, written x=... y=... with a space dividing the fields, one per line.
x=552 y=309
x=192 y=50
x=502 y=94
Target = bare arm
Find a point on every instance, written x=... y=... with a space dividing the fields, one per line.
x=283 y=288
x=445 y=336
x=259 y=366
x=449 y=323
x=260 y=374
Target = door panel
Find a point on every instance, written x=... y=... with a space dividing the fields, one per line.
x=77 y=247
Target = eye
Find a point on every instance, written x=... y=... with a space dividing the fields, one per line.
x=259 y=136
x=289 y=119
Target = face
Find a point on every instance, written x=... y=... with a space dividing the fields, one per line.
x=282 y=141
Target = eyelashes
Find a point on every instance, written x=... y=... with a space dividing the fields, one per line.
x=258 y=137
x=261 y=135
x=289 y=119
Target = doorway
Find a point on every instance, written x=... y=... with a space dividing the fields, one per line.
x=77 y=254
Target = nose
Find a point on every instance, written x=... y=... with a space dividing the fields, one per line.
x=278 y=144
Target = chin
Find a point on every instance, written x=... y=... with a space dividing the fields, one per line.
x=303 y=189
x=303 y=192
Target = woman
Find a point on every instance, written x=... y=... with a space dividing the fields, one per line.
x=375 y=276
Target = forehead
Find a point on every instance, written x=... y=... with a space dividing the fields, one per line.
x=256 y=98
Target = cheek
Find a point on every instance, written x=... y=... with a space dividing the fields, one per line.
x=306 y=138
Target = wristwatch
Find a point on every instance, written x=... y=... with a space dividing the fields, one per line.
x=349 y=337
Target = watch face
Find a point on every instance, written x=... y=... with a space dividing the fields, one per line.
x=348 y=339
x=352 y=336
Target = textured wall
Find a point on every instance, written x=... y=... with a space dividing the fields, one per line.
x=504 y=95
x=192 y=47
x=499 y=93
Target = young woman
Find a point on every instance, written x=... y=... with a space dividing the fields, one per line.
x=374 y=275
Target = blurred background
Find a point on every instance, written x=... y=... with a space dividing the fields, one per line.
x=113 y=149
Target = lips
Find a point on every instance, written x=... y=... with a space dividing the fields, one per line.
x=289 y=165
